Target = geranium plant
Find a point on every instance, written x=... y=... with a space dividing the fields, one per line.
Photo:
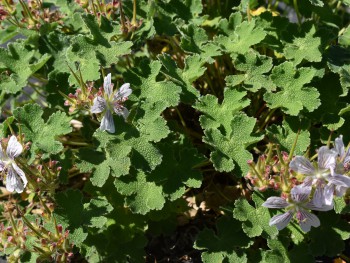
x=174 y=130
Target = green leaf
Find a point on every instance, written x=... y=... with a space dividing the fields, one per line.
x=255 y=66
x=195 y=40
x=328 y=238
x=142 y=196
x=244 y=35
x=21 y=63
x=316 y=2
x=224 y=245
x=338 y=61
x=304 y=46
x=184 y=77
x=70 y=208
x=286 y=134
x=95 y=211
x=154 y=97
x=144 y=155
x=42 y=134
x=294 y=95
x=176 y=172
x=255 y=219
x=116 y=161
x=95 y=49
x=278 y=252
x=230 y=149
x=216 y=115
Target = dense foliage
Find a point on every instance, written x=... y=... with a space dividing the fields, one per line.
x=150 y=130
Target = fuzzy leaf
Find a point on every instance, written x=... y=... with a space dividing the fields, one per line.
x=176 y=171
x=286 y=134
x=195 y=40
x=42 y=134
x=254 y=66
x=155 y=97
x=19 y=61
x=255 y=219
x=95 y=49
x=335 y=229
x=230 y=149
x=116 y=162
x=239 y=40
x=226 y=244
x=144 y=155
x=142 y=196
x=216 y=115
x=184 y=77
x=294 y=96
x=304 y=46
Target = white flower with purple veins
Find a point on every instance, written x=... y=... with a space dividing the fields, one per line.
x=15 y=179
x=111 y=102
x=342 y=166
x=298 y=204
x=322 y=176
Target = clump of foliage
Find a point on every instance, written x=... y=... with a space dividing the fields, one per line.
x=128 y=120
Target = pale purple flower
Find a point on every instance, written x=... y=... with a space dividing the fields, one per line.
x=320 y=175
x=342 y=167
x=15 y=178
x=298 y=204
x=111 y=102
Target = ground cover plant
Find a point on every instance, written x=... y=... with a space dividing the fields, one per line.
x=174 y=131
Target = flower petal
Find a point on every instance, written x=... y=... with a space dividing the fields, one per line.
x=275 y=202
x=99 y=105
x=319 y=198
x=300 y=193
x=328 y=192
x=340 y=190
x=338 y=179
x=324 y=207
x=107 y=85
x=302 y=165
x=122 y=111
x=326 y=158
x=107 y=122
x=13 y=182
x=123 y=92
x=282 y=220
x=14 y=148
x=21 y=174
x=339 y=146
x=306 y=220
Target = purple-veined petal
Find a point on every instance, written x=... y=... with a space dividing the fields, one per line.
x=107 y=85
x=2 y=165
x=99 y=105
x=347 y=157
x=338 y=179
x=122 y=111
x=107 y=122
x=326 y=158
x=328 y=192
x=275 y=202
x=14 y=148
x=318 y=198
x=302 y=165
x=13 y=182
x=21 y=174
x=324 y=207
x=300 y=193
x=340 y=190
x=339 y=146
x=306 y=220
x=123 y=92
x=282 y=220
x=2 y=153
